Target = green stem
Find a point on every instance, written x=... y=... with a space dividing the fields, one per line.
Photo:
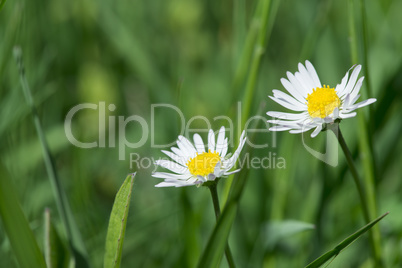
x=374 y=243
x=215 y=201
x=353 y=170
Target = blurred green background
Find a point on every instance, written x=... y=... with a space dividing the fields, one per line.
x=185 y=53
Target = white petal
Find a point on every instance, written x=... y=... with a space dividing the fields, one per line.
x=313 y=74
x=175 y=184
x=198 y=143
x=217 y=170
x=285 y=97
x=303 y=83
x=232 y=160
x=356 y=89
x=211 y=140
x=231 y=172
x=295 y=93
x=340 y=88
x=306 y=76
x=328 y=119
x=279 y=128
x=172 y=166
x=293 y=124
x=286 y=116
x=316 y=131
x=220 y=142
x=352 y=80
x=347 y=115
x=362 y=104
x=187 y=145
x=284 y=122
x=211 y=177
x=183 y=155
x=201 y=178
x=351 y=102
x=225 y=148
x=346 y=101
x=336 y=113
x=295 y=83
x=288 y=105
x=164 y=175
x=179 y=159
x=297 y=131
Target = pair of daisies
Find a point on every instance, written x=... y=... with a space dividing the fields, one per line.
x=316 y=105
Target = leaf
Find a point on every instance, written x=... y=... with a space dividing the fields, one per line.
x=117 y=224
x=16 y=225
x=334 y=252
x=216 y=244
x=278 y=230
x=56 y=253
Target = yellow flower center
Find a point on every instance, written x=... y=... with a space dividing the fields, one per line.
x=322 y=102
x=203 y=164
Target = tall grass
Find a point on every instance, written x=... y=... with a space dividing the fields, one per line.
x=138 y=54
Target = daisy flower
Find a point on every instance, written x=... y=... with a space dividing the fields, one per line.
x=193 y=165
x=316 y=105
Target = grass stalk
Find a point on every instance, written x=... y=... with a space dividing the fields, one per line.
x=215 y=201
x=74 y=240
x=365 y=143
x=361 y=190
x=255 y=45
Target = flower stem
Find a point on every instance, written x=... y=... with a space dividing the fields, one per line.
x=349 y=159
x=363 y=197
x=215 y=201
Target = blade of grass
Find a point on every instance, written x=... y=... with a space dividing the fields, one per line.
x=117 y=224
x=21 y=238
x=219 y=238
x=263 y=23
x=346 y=242
x=259 y=49
x=56 y=253
x=365 y=143
x=74 y=238
x=217 y=243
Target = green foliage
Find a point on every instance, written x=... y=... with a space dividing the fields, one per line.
x=197 y=55
x=16 y=225
x=117 y=224
x=350 y=239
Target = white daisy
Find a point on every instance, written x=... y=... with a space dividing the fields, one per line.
x=192 y=165
x=317 y=105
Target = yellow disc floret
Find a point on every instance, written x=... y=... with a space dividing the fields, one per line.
x=322 y=102
x=203 y=164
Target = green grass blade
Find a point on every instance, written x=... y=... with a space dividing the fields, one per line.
x=365 y=141
x=253 y=51
x=216 y=245
x=56 y=253
x=73 y=234
x=259 y=49
x=117 y=224
x=2 y=4
x=16 y=226
x=334 y=252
